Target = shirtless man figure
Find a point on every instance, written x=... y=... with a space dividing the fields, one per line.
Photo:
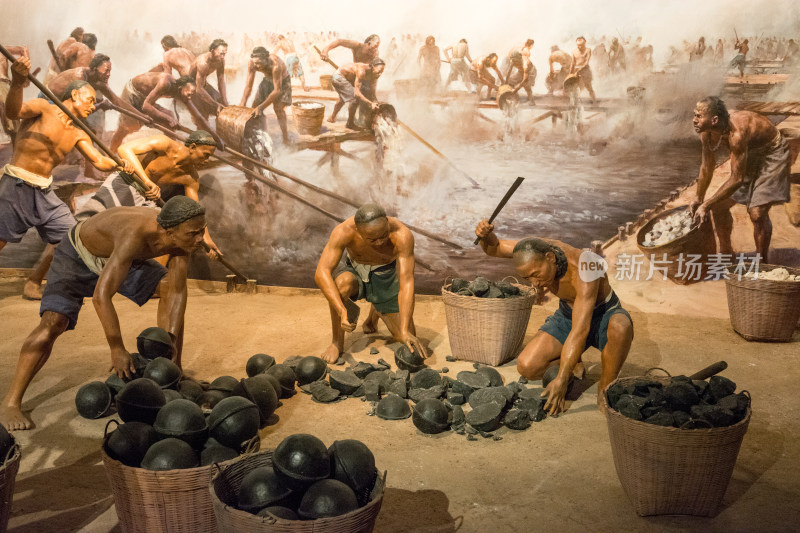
x=759 y=170
x=10 y=127
x=53 y=69
x=589 y=314
x=356 y=84
x=45 y=137
x=143 y=91
x=108 y=254
x=175 y=58
x=379 y=267
x=555 y=80
x=362 y=52
x=481 y=76
x=580 y=66
x=459 y=59
x=740 y=60
x=274 y=90
x=430 y=65
x=79 y=54
x=286 y=46
x=210 y=101
x=616 y=56
x=521 y=74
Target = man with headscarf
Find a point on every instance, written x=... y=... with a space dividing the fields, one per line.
x=107 y=254
x=589 y=312
x=378 y=266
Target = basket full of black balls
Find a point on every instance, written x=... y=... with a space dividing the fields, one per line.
x=327 y=505
x=486 y=320
x=675 y=441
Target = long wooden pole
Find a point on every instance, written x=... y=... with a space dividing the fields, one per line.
x=504 y=201
x=96 y=140
x=418 y=137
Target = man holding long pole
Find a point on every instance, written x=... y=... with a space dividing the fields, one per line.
x=46 y=136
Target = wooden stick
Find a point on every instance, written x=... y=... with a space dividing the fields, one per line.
x=55 y=55
x=511 y=190
x=297 y=180
x=437 y=152
x=328 y=61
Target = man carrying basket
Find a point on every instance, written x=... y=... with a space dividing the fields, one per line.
x=589 y=312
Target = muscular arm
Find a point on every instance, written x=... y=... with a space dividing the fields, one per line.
x=106 y=91
x=276 y=89
x=405 y=276
x=707 y=165
x=149 y=106
x=347 y=43
x=192 y=190
x=248 y=85
x=97 y=159
x=201 y=84
x=130 y=150
x=738 y=171
x=357 y=89
x=178 y=267
x=223 y=91
x=491 y=245
x=448 y=53
x=500 y=77
x=331 y=255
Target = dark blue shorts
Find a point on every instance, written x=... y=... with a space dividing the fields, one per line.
x=382 y=290
x=24 y=206
x=69 y=281
x=559 y=324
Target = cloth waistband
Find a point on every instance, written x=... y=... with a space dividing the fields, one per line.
x=365 y=270
x=611 y=301
x=131 y=89
x=31 y=178
x=92 y=262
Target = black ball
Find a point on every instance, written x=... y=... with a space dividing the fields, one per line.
x=310 y=368
x=261 y=488
x=93 y=400
x=140 y=400
x=300 y=460
x=170 y=454
x=154 y=342
x=327 y=498
x=286 y=377
x=353 y=463
x=184 y=420
x=258 y=364
x=164 y=372
x=234 y=421
x=431 y=416
x=130 y=441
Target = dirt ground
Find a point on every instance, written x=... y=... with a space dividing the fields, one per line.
x=558 y=475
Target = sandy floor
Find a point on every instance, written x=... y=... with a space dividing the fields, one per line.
x=558 y=475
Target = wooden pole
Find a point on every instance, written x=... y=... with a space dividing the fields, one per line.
x=437 y=152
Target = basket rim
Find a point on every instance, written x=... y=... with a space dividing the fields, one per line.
x=145 y=472
x=526 y=292
x=609 y=411
x=215 y=500
x=14 y=457
x=792 y=270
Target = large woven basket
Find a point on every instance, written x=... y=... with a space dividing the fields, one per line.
x=308 y=116
x=699 y=241
x=171 y=501
x=225 y=486
x=666 y=470
x=487 y=330
x=236 y=124
x=8 y=477
x=325 y=82
x=763 y=310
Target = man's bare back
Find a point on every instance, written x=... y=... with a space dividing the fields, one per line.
x=77 y=55
x=180 y=60
x=748 y=131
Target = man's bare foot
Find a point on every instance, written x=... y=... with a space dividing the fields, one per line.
x=331 y=119
x=331 y=353
x=32 y=290
x=370 y=325
x=14 y=419
x=579 y=371
x=351 y=126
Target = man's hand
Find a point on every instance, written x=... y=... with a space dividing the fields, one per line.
x=20 y=70
x=374 y=106
x=414 y=344
x=173 y=123
x=484 y=229
x=220 y=143
x=153 y=193
x=323 y=56
x=555 y=393
x=345 y=324
x=126 y=167
x=121 y=363
x=213 y=252
x=700 y=214
x=255 y=112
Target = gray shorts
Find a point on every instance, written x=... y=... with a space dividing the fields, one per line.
x=24 y=206
x=767 y=176
x=559 y=324
x=345 y=89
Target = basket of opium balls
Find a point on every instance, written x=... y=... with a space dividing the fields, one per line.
x=675 y=440
x=301 y=486
x=486 y=320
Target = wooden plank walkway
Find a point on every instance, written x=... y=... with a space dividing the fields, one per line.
x=770 y=108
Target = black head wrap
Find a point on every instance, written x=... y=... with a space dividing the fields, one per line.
x=177 y=210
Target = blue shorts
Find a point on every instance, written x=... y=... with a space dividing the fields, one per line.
x=24 y=206
x=559 y=324
x=69 y=281
x=382 y=290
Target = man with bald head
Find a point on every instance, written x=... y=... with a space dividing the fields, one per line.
x=45 y=137
x=589 y=312
x=379 y=267
x=111 y=253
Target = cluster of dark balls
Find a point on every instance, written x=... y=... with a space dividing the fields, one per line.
x=682 y=402
x=483 y=288
x=305 y=480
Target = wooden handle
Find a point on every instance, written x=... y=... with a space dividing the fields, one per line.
x=503 y=202
x=710 y=370
x=54 y=54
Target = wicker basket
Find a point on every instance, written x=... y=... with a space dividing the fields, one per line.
x=666 y=470
x=236 y=124
x=226 y=483
x=173 y=501
x=699 y=241
x=487 y=330
x=8 y=476
x=325 y=82
x=308 y=117
x=763 y=310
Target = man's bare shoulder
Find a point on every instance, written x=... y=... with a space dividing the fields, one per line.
x=400 y=232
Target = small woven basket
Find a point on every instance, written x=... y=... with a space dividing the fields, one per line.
x=667 y=470
x=8 y=477
x=487 y=330
x=308 y=116
x=763 y=310
x=172 y=501
x=325 y=82
x=225 y=486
